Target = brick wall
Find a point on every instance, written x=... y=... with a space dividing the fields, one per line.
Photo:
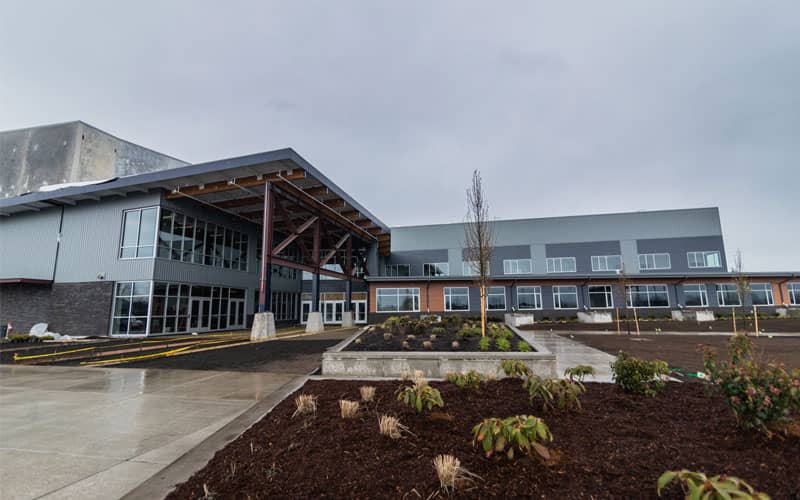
x=24 y=305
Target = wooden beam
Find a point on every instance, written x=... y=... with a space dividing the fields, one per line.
x=230 y=185
x=335 y=203
x=351 y=214
x=375 y=230
x=333 y=250
x=310 y=269
x=239 y=202
x=364 y=223
x=317 y=190
x=295 y=234
x=293 y=228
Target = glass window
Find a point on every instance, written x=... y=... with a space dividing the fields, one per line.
x=601 y=296
x=761 y=294
x=794 y=294
x=561 y=264
x=471 y=268
x=517 y=266
x=138 y=233
x=695 y=296
x=456 y=299
x=165 y=234
x=436 y=269
x=529 y=297
x=647 y=296
x=130 y=310
x=704 y=259
x=651 y=261
x=199 y=242
x=606 y=262
x=565 y=297
x=188 y=239
x=397 y=299
x=728 y=295
x=397 y=270
x=496 y=298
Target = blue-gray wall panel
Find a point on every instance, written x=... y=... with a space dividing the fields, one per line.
x=28 y=244
x=678 y=247
x=583 y=252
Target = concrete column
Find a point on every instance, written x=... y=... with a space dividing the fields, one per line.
x=264 y=321
x=315 y=323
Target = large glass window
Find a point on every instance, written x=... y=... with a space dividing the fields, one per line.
x=187 y=239
x=496 y=298
x=601 y=297
x=436 y=269
x=703 y=259
x=561 y=264
x=648 y=296
x=728 y=295
x=138 y=233
x=456 y=299
x=397 y=270
x=606 y=262
x=651 y=261
x=794 y=294
x=695 y=295
x=517 y=266
x=529 y=297
x=565 y=297
x=761 y=294
x=131 y=306
x=397 y=299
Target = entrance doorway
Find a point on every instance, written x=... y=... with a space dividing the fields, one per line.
x=236 y=313
x=332 y=312
x=199 y=313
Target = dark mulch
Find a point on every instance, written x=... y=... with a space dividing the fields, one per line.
x=787 y=325
x=685 y=351
x=616 y=448
x=372 y=340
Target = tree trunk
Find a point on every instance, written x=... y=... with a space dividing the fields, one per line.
x=483 y=311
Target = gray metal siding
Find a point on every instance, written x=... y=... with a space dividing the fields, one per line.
x=28 y=244
x=678 y=247
x=583 y=252
x=415 y=259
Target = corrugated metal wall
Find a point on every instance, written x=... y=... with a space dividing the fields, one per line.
x=28 y=244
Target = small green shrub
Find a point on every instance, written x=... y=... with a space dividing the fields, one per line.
x=499 y=331
x=391 y=324
x=387 y=336
x=420 y=327
x=579 y=372
x=523 y=433
x=502 y=344
x=452 y=322
x=515 y=368
x=638 y=376
x=438 y=330
x=563 y=395
x=523 y=346
x=469 y=331
x=420 y=396
x=483 y=344
x=19 y=338
x=697 y=485
x=470 y=380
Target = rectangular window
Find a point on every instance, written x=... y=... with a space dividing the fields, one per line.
x=471 y=268
x=456 y=299
x=529 y=297
x=648 y=296
x=728 y=295
x=601 y=297
x=397 y=299
x=565 y=297
x=496 y=298
x=606 y=262
x=794 y=294
x=131 y=306
x=191 y=240
x=397 y=270
x=651 y=261
x=517 y=266
x=695 y=296
x=703 y=259
x=561 y=264
x=436 y=269
x=762 y=294
x=138 y=233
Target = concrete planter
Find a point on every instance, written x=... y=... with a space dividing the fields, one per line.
x=595 y=317
x=519 y=319
x=337 y=362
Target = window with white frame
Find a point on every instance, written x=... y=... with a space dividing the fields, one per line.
x=436 y=269
x=529 y=297
x=517 y=266
x=471 y=268
x=561 y=264
x=456 y=299
x=397 y=299
x=651 y=261
x=704 y=259
x=496 y=298
x=761 y=293
x=565 y=297
x=601 y=296
x=794 y=294
x=695 y=295
x=138 y=233
x=606 y=262
x=728 y=295
x=397 y=270
x=647 y=296
x=131 y=307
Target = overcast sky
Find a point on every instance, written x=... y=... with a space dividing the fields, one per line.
x=566 y=108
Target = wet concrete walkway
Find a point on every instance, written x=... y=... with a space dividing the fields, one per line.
x=87 y=433
x=572 y=353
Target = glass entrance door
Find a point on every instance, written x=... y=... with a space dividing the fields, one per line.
x=199 y=311
x=236 y=313
x=332 y=311
x=360 y=311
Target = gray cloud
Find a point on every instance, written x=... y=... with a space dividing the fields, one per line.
x=566 y=109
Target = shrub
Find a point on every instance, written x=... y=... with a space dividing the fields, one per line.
x=391 y=427
x=349 y=409
x=438 y=330
x=411 y=337
x=452 y=322
x=565 y=395
x=523 y=346
x=698 y=485
x=483 y=344
x=579 y=372
x=760 y=396
x=638 y=376
x=387 y=336
x=391 y=324
x=367 y=392
x=522 y=432
x=305 y=404
x=427 y=345
x=499 y=331
x=515 y=368
x=405 y=345
x=470 y=380
x=17 y=339
x=450 y=473
x=432 y=338
x=455 y=345
x=502 y=344
x=469 y=331
x=420 y=396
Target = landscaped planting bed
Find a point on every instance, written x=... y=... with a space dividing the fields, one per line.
x=767 y=325
x=617 y=446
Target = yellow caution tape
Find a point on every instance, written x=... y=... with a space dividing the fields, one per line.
x=17 y=357
x=148 y=356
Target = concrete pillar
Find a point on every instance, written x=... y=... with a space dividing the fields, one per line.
x=263 y=326
x=348 y=321
x=265 y=285
x=314 y=323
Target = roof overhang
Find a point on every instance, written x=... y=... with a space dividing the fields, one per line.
x=28 y=281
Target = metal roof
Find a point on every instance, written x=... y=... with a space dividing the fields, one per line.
x=586 y=277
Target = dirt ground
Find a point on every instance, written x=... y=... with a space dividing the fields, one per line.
x=617 y=447
x=685 y=351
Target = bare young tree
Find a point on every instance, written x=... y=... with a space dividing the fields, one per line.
x=479 y=240
x=622 y=291
x=742 y=287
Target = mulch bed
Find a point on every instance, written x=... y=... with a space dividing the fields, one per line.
x=787 y=325
x=372 y=340
x=615 y=448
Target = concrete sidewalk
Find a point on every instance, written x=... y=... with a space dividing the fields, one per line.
x=571 y=353
x=99 y=432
